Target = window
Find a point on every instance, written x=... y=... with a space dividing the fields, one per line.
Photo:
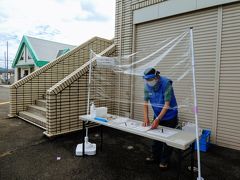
x=29 y=56
x=22 y=56
x=25 y=73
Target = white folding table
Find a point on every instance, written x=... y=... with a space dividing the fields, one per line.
x=181 y=140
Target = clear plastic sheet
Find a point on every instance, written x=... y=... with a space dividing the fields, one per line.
x=117 y=82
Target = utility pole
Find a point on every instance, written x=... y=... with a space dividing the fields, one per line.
x=5 y=65
x=7 y=62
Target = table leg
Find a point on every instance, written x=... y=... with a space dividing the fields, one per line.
x=83 y=145
x=101 y=134
x=179 y=164
x=192 y=160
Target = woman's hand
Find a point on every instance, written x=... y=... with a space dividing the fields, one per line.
x=146 y=122
x=155 y=124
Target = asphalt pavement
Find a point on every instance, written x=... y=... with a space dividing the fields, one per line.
x=25 y=153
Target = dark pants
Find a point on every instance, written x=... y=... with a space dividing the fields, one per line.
x=161 y=151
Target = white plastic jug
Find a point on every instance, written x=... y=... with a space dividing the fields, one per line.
x=92 y=110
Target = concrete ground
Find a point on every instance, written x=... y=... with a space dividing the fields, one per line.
x=25 y=153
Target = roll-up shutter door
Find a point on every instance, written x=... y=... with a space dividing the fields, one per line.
x=205 y=39
x=228 y=125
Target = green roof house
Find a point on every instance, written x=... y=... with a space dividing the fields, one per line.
x=34 y=53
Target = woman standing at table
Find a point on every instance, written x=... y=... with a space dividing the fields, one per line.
x=159 y=92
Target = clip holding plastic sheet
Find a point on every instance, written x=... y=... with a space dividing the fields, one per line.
x=101 y=119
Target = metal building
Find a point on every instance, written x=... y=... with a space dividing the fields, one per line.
x=140 y=23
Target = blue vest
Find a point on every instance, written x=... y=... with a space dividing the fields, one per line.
x=156 y=97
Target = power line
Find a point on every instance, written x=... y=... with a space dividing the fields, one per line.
x=4 y=60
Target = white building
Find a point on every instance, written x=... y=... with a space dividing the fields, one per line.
x=34 y=53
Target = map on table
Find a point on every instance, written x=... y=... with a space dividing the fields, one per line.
x=137 y=125
x=120 y=120
x=163 y=133
x=141 y=128
x=131 y=124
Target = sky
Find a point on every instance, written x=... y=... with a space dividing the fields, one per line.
x=66 y=21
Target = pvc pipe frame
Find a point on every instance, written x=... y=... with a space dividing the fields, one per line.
x=195 y=98
x=89 y=88
x=195 y=103
x=89 y=81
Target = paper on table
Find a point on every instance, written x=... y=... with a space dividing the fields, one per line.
x=165 y=133
x=141 y=128
x=120 y=120
x=135 y=125
x=129 y=124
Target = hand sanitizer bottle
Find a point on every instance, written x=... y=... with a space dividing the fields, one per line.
x=92 y=110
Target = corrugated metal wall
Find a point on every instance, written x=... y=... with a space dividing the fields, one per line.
x=228 y=125
x=216 y=40
x=205 y=38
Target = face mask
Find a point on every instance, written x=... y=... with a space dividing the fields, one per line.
x=152 y=83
